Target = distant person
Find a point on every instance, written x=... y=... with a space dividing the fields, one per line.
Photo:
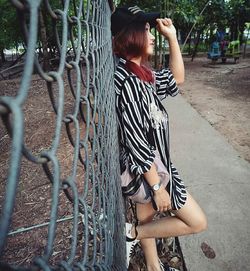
x=143 y=129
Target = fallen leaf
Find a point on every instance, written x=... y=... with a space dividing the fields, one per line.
x=208 y=251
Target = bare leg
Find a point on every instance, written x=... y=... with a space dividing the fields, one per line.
x=145 y=214
x=189 y=219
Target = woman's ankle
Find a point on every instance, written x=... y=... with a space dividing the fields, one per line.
x=131 y=231
x=134 y=230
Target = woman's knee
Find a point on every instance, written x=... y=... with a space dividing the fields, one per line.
x=193 y=216
x=199 y=225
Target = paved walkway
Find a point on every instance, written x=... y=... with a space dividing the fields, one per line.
x=219 y=179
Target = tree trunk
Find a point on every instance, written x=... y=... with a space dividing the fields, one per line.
x=160 y=52
x=160 y=46
x=44 y=42
x=111 y=5
x=202 y=36
x=211 y=35
x=189 y=44
x=19 y=57
x=156 y=51
x=196 y=45
x=2 y=55
x=245 y=45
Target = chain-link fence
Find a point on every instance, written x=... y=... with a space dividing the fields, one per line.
x=61 y=205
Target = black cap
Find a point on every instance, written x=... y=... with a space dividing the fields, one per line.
x=123 y=16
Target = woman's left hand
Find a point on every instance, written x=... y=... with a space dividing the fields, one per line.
x=162 y=200
x=166 y=28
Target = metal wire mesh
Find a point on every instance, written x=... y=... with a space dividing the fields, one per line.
x=61 y=206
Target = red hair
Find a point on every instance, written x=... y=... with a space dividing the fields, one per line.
x=132 y=42
x=144 y=73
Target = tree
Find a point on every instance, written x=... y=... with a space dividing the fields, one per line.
x=10 y=34
x=149 y=5
x=239 y=14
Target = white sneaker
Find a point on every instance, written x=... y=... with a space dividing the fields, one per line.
x=130 y=242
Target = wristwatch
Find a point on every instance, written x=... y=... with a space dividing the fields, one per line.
x=156 y=187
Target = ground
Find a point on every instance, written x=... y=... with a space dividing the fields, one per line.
x=219 y=92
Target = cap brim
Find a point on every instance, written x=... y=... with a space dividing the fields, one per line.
x=149 y=18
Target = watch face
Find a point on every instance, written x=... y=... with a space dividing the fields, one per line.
x=156 y=187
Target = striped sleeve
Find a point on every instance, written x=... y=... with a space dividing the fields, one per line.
x=165 y=84
x=141 y=155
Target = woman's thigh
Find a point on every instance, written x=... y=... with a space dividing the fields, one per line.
x=145 y=212
x=192 y=214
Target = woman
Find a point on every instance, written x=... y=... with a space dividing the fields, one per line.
x=139 y=92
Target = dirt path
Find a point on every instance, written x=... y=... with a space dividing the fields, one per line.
x=221 y=94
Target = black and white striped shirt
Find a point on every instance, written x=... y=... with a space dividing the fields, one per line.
x=138 y=106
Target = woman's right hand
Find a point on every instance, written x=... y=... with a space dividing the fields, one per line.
x=162 y=200
x=166 y=28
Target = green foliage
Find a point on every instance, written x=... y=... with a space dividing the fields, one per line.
x=11 y=34
x=203 y=47
x=149 y=5
x=238 y=15
x=10 y=30
x=219 y=14
x=207 y=16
